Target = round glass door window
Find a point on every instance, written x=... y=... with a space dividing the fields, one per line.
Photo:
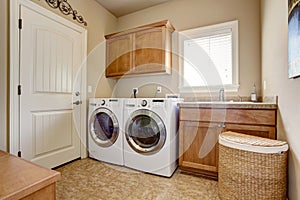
x=104 y=127
x=145 y=132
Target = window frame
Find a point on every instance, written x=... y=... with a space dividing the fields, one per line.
x=206 y=31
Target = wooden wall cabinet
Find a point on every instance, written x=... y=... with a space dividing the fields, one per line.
x=143 y=50
x=200 y=127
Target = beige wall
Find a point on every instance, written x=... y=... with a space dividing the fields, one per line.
x=186 y=14
x=275 y=72
x=3 y=72
x=100 y=22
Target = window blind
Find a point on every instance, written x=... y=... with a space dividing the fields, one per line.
x=218 y=47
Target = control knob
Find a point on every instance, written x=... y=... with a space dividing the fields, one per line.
x=144 y=103
x=102 y=102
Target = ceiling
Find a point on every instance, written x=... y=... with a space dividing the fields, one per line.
x=124 y=7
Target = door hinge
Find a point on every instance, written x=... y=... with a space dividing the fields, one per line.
x=19 y=89
x=19 y=154
x=20 y=23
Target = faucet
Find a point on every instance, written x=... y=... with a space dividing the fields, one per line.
x=221 y=94
x=240 y=98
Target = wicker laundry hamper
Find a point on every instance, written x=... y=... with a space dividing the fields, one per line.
x=251 y=167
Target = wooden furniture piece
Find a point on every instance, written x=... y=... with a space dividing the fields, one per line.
x=21 y=179
x=201 y=125
x=142 y=50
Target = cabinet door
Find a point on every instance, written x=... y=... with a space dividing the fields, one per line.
x=149 y=50
x=256 y=130
x=199 y=146
x=118 y=55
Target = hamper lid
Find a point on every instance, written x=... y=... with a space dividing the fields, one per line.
x=252 y=143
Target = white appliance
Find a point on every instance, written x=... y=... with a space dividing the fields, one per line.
x=151 y=135
x=105 y=138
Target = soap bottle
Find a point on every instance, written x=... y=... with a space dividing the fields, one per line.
x=253 y=96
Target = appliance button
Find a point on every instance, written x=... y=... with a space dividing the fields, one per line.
x=144 y=103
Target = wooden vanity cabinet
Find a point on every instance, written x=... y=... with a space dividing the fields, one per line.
x=200 y=127
x=142 y=50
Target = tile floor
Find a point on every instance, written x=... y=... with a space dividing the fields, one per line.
x=91 y=179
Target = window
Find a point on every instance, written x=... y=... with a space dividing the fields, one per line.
x=209 y=58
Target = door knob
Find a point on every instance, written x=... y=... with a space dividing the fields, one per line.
x=77 y=102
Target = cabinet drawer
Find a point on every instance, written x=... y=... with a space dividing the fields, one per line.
x=236 y=116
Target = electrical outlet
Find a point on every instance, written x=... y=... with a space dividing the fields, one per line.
x=158 y=89
x=90 y=89
x=265 y=85
x=135 y=90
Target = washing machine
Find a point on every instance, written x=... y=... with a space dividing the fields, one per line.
x=151 y=135
x=105 y=138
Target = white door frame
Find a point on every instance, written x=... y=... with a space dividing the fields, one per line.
x=14 y=105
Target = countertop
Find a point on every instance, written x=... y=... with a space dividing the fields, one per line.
x=228 y=105
x=20 y=178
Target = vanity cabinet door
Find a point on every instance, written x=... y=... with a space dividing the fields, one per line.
x=118 y=55
x=198 y=151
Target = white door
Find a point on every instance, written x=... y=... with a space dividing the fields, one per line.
x=50 y=76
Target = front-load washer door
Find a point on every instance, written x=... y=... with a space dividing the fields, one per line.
x=145 y=132
x=104 y=127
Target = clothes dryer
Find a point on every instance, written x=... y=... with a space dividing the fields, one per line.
x=105 y=138
x=151 y=132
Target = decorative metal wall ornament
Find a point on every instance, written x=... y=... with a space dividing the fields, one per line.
x=292 y=4
x=66 y=9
